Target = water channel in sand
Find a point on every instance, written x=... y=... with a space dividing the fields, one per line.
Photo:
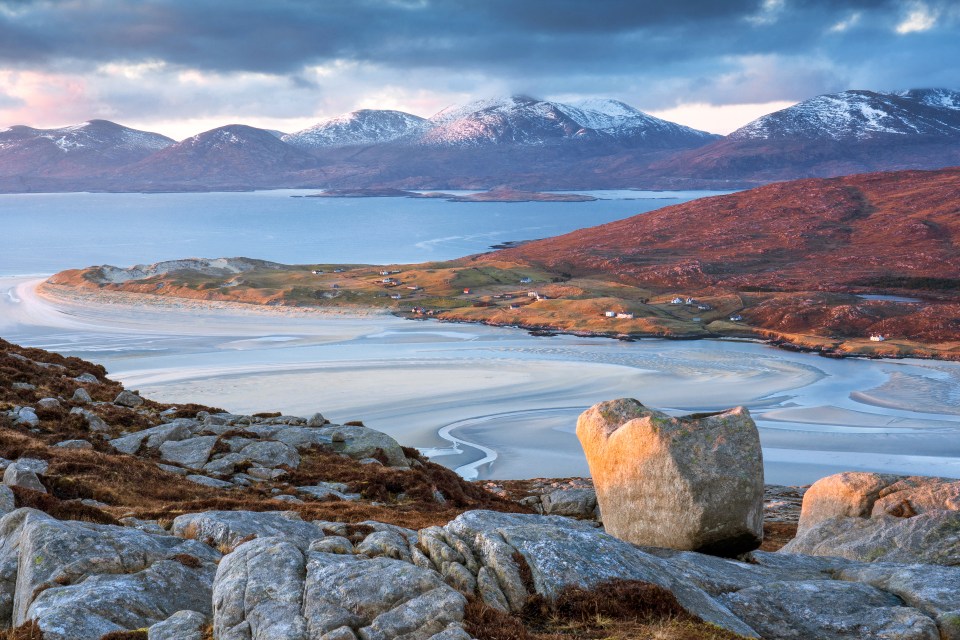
x=497 y=402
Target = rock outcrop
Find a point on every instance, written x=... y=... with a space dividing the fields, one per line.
x=876 y=517
x=692 y=482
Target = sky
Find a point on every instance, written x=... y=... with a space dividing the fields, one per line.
x=180 y=67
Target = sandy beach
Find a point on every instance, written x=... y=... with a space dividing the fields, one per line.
x=496 y=402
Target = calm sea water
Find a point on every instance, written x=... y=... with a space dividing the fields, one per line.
x=46 y=233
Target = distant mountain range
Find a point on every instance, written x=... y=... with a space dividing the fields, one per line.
x=518 y=141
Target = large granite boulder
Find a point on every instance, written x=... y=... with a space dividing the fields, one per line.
x=693 y=483
x=880 y=517
x=277 y=589
x=929 y=538
x=80 y=580
x=863 y=494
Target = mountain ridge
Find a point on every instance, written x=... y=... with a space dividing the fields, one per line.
x=519 y=141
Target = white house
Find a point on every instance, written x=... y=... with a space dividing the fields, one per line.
x=625 y=316
x=736 y=318
x=677 y=300
x=877 y=338
x=611 y=314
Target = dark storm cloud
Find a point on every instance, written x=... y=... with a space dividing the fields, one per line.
x=695 y=45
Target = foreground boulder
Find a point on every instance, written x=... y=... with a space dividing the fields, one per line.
x=79 y=580
x=881 y=518
x=693 y=482
x=277 y=589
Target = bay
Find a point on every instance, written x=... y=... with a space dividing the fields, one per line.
x=50 y=232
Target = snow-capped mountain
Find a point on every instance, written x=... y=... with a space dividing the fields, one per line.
x=83 y=148
x=861 y=115
x=521 y=120
x=833 y=135
x=363 y=127
x=235 y=153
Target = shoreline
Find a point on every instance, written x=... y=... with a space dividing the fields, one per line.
x=75 y=296
x=497 y=390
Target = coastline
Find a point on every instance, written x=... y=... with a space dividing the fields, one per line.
x=72 y=295
x=499 y=389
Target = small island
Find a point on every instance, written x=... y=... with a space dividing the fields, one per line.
x=497 y=194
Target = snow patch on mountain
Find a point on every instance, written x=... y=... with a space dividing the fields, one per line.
x=528 y=121
x=363 y=127
x=861 y=115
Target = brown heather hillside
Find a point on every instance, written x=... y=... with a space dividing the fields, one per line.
x=793 y=252
x=887 y=230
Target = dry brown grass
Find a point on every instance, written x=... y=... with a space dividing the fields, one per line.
x=614 y=610
x=27 y=631
x=777 y=534
x=137 y=634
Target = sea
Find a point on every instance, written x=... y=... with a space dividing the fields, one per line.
x=46 y=233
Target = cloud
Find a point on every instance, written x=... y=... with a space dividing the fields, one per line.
x=289 y=61
x=920 y=18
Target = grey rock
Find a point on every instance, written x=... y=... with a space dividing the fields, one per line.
x=358 y=442
x=150 y=526
x=48 y=403
x=23 y=386
x=287 y=498
x=171 y=469
x=721 y=575
x=192 y=453
x=33 y=464
x=7 y=500
x=828 y=610
x=153 y=437
x=75 y=444
x=452 y=632
x=929 y=538
x=933 y=589
x=332 y=544
x=70 y=574
x=16 y=476
x=258 y=592
x=210 y=482
x=87 y=378
x=560 y=552
x=105 y=603
x=82 y=396
x=570 y=502
x=489 y=589
x=271 y=454
x=227 y=528
x=224 y=465
x=94 y=422
x=459 y=577
x=328 y=491
x=263 y=473
x=316 y=420
x=27 y=417
x=387 y=544
x=341 y=633
x=128 y=399
x=182 y=625
x=691 y=483
x=381 y=599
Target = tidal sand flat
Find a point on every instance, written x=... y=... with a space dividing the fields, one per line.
x=497 y=402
